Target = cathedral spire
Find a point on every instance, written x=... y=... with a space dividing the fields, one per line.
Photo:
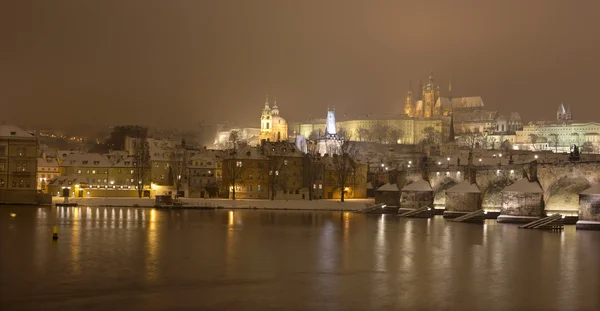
x=420 y=90
x=431 y=76
x=267 y=102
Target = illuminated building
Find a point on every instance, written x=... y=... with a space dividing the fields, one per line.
x=18 y=165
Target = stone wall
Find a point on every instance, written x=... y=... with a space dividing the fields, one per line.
x=462 y=202
x=522 y=204
x=390 y=198
x=416 y=199
x=589 y=207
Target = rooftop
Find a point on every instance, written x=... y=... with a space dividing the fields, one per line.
x=419 y=185
x=9 y=130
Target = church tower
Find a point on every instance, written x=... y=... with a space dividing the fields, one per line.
x=563 y=114
x=266 y=121
x=431 y=93
x=408 y=102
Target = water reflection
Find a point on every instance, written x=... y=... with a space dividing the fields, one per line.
x=152 y=247
x=221 y=260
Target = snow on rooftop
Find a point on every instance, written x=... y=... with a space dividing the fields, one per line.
x=388 y=187
x=419 y=185
x=9 y=130
x=595 y=189
x=524 y=185
x=465 y=187
x=369 y=185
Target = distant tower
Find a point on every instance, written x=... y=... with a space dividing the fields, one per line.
x=266 y=121
x=450 y=88
x=275 y=109
x=330 y=125
x=431 y=93
x=569 y=116
x=563 y=114
x=408 y=102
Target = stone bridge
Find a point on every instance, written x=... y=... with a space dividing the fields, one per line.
x=561 y=182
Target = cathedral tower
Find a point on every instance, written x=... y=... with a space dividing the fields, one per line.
x=431 y=93
x=408 y=102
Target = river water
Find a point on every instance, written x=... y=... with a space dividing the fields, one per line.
x=143 y=259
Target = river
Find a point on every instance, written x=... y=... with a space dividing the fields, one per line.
x=143 y=259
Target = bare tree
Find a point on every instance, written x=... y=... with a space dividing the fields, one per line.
x=554 y=141
x=431 y=136
x=313 y=168
x=177 y=168
x=470 y=139
x=276 y=165
x=533 y=140
x=380 y=132
x=395 y=135
x=232 y=164
x=141 y=153
x=363 y=134
x=344 y=165
x=587 y=147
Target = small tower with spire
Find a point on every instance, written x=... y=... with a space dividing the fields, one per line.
x=563 y=114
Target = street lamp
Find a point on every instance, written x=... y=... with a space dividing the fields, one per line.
x=500 y=159
x=479 y=161
x=448 y=161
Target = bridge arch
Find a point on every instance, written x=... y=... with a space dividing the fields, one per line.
x=563 y=195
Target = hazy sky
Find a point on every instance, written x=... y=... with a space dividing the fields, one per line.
x=179 y=62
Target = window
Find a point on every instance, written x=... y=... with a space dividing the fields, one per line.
x=276 y=173
x=131 y=171
x=155 y=164
x=132 y=180
x=21 y=183
x=93 y=171
x=85 y=162
x=162 y=177
x=284 y=162
x=14 y=184
x=127 y=162
x=258 y=188
x=96 y=162
x=2 y=165
x=314 y=186
x=28 y=184
x=21 y=167
x=249 y=176
x=1 y=183
x=105 y=180
x=238 y=164
x=119 y=171
x=2 y=150
x=21 y=151
x=88 y=171
x=320 y=186
x=249 y=188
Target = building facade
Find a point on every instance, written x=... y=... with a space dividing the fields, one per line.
x=18 y=165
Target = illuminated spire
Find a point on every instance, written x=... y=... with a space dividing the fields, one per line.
x=267 y=102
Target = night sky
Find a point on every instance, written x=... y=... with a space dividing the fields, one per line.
x=175 y=63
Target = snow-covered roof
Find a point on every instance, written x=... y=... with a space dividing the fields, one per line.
x=524 y=185
x=68 y=180
x=595 y=189
x=388 y=187
x=86 y=159
x=41 y=162
x=9 y=130
x=419 y=185
x=465 y=187
x=369 y=185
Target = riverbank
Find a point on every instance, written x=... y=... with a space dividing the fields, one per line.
x=191 y=203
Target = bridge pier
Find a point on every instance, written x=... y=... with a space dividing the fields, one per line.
x=462 y=199
x=416 y=195
x=522 y=202
x=589 y=209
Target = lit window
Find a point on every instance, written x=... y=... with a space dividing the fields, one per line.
x=238 y=164
x=131 y=180
x=284 y=162
x=258 y=188
x=131 y=172
x=320 y=186
x=78 y=171
x=93 y=171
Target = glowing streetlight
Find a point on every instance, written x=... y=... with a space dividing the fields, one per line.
x=448 y=161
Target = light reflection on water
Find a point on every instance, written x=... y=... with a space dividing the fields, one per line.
x=223 y=260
